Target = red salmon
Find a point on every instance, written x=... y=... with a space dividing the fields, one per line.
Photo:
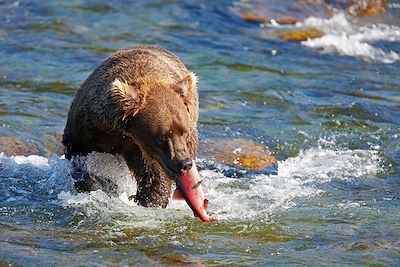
x=188 y=187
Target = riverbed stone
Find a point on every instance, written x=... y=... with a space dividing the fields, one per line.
x=299 y=34
x=363 y=8
x=291 y=11
x=253 y=17
x=241 y=152
x=263 y=19
x=15 y=147
x=282 y=12
x=288 y=20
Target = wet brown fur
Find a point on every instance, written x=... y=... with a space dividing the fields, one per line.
x=142 y=103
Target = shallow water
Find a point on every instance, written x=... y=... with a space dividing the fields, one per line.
x=328 y=108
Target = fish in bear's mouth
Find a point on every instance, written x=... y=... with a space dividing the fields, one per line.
x=189 y=187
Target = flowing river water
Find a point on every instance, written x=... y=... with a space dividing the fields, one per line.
x=327 y=108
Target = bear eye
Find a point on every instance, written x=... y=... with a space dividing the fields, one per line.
x=163 y=138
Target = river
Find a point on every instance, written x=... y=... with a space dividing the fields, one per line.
x=327 y=108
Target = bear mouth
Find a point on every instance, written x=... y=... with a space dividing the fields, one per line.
x=171 y=173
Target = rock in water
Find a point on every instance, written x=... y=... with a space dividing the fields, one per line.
x=241 y=152
x=299 y=34
x=15 y=147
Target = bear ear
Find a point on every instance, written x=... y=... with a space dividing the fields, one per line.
x=129 y=98
x=186 y=85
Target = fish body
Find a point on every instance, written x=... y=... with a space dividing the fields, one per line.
x=189 y=187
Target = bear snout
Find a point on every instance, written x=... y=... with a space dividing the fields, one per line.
x=181 y=166
x=185 y=165
x=175 y=167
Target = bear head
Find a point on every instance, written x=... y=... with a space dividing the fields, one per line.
x=156 y=115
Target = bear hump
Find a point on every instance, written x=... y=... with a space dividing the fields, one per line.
x=147 y=61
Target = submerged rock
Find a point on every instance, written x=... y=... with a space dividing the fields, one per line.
x=299 y=34
x=15 y=147
x=241 y=152
x=292 y=11
x=286 y=20
x=253 y=17
x=360 y=7
x=282 y=12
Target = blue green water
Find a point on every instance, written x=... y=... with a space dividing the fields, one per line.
x=330 y=115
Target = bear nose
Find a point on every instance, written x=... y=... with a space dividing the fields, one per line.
x=186 y=164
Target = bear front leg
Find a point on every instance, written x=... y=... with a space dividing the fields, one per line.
x=153 y=188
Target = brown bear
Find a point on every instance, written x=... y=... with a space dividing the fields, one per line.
x=141 y=103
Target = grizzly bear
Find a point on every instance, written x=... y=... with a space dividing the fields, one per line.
x=141 y=103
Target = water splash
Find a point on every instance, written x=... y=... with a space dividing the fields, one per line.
x=251 y=197
x=345 y=38
x=111 y=171
x=299 y=177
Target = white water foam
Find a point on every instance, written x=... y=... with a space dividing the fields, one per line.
x=37 y=173
x=345 y=38
x=247 y=198
x=113 y=168
x=298 y=177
